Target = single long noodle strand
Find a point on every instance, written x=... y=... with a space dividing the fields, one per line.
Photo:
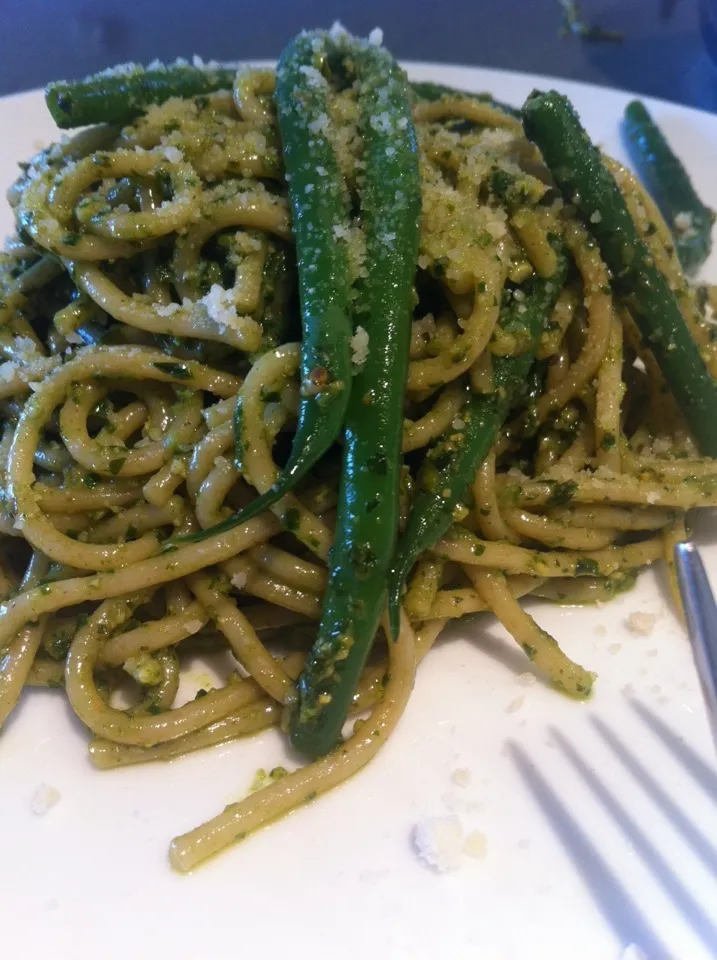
x=538 y=645
x=608 y=401
x=239 y=820
x=461 y=601
x=491 y=523
x=467 y=549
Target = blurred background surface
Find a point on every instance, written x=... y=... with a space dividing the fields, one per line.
x=662 y=52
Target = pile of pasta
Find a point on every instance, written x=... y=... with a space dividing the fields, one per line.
x=152 y=281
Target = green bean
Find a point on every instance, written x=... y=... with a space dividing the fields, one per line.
x=367 y=520
x=575 y=163
x=451 y=464
x=119 y=96
x=669 y=183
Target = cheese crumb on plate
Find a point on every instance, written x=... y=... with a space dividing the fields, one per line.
x=641 y=624
x=44 y=799
x=438 y=841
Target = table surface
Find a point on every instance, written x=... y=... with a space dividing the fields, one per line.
x=662 y=53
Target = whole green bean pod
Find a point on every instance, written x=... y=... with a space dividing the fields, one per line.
x=367 y=521
x=669 y=183
x=121 y=96
x=451 y=465
x=575 y=163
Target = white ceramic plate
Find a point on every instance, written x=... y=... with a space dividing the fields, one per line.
x=575 y=868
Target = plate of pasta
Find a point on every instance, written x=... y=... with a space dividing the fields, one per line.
x=350 y=417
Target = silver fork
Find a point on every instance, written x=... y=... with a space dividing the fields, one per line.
x=701 y=615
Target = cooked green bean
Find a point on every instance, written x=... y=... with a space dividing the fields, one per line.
x=552 y=123
x=120 y=95
x=669 y=183
x=367 y=519
x=451 y=465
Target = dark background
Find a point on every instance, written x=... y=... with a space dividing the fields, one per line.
x=662 y=53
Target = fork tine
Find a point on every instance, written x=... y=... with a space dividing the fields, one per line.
x=701 y=615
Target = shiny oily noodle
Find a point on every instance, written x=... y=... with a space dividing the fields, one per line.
x=153 y=281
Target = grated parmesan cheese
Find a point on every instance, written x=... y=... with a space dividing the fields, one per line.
x=166 y=309
x=438 y=841
x=338 y=31
x=44 y=799
x=641 y=624
x=375 y=38
x=359 y=347
x=320 y=125
x=313 y=77
x=220 y=304
x=173 y=154
x=239 y=580
x=683 y=223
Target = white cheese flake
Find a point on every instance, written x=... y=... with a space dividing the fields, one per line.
x=313 y=77
x=338 y=31
x=239 y=580
x=683 y=223
x=641 y=624
x=173 y=154
x=220 y=305
x=320 y=125
x=44 y=799
x=438 y=841
x=165 y=309
x=359 y=347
